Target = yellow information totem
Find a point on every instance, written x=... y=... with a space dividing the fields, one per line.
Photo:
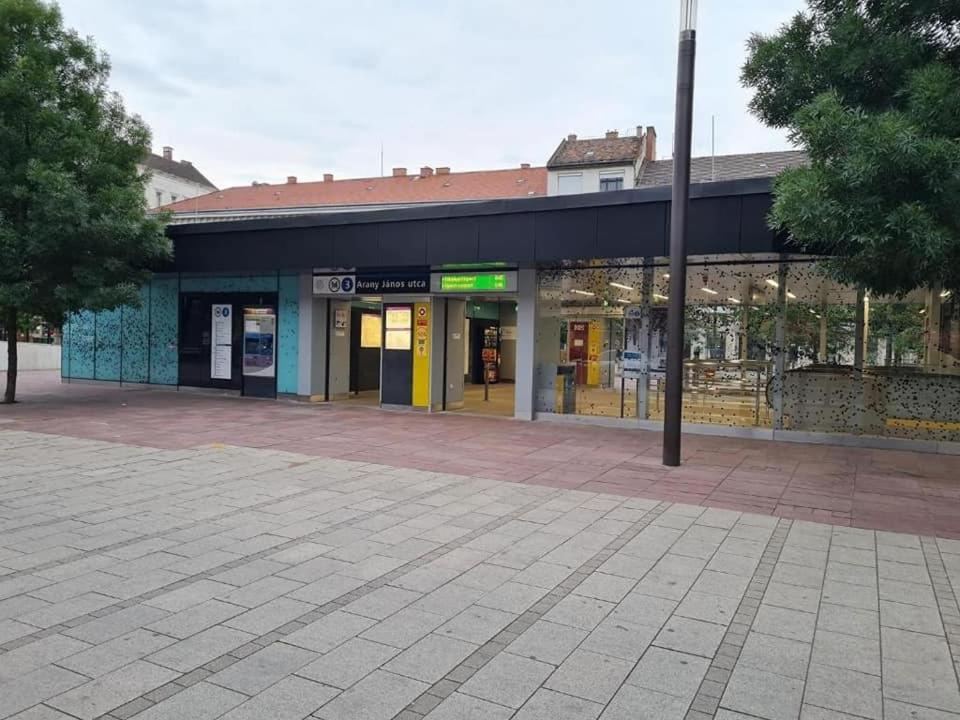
x=594 y=343
x=421 y=355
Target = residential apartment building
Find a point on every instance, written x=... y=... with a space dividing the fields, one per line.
x=613 y=162
x=172 y=180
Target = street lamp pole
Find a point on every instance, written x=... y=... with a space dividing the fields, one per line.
x=673 y=407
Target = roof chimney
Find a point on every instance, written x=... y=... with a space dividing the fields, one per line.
x=328 y=177
x=612 y=134
x=572 y=137
x=167 y=152
x=443 y=170
x=291 y=179
x=524 y=166
x=426 y=171
x=399 y=172
x=650 y=144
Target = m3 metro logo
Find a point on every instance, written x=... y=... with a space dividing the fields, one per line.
x=334 y=284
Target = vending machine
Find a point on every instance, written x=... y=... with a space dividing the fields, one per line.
x=491 y=353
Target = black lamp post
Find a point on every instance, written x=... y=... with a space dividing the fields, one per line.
x=673 y=407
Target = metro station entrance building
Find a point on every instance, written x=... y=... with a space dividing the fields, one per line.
x=549 y=308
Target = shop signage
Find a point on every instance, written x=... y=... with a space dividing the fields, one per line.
x=221 y=342
x=416 y=282
x=486 y=282
x=259 y=342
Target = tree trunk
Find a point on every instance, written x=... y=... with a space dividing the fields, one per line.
x=10 y=322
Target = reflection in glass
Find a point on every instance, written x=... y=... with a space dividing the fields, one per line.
x=769 y=342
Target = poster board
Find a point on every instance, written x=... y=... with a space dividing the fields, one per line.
x=398 y=333
x=259 y=342
x=635 y=362
x=221 y=341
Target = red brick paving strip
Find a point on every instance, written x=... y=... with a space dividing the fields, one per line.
x=875 y=489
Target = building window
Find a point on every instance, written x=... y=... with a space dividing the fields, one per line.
x=611 y=181
x=159 y=198
x=570 y=184
x=173 y=198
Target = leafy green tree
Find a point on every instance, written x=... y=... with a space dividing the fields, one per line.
x=871 y=90
x=73 y=228
x=900 y=326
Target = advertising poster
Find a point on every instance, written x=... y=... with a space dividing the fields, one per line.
x=221 y=342
x=634 y=362
x=259 y=342
x=398 y=321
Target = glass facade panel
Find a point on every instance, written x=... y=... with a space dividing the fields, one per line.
x=770 y=342
x=868 y=366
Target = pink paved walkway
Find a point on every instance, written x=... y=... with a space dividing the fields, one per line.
x=879 y=489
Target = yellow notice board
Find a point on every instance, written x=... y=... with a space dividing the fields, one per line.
x=594 y=341
x=421 y=354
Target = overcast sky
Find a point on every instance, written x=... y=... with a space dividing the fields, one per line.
x=261 y=89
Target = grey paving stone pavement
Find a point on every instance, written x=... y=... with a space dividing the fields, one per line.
x=237 y=583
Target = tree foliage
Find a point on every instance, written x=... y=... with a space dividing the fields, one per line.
x=871 y=90
x=74 y=233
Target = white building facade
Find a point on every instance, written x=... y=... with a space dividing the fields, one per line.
x=613 y=162
x=172 y=180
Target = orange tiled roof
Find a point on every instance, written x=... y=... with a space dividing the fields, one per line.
x=403 y=189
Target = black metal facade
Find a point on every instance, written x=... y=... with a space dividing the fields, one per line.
x=725 y=218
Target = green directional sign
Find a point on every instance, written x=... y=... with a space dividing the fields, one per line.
x=469 y=282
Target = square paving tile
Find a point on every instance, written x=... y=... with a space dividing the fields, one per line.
x=670 y=672
x=695 y=637
x=762 y=694
x=590 y=676
x=507 y=680
x=431 y=658
x=776 y=655
x=379 y=696
x=463 y=707
x=844 y=690
x=637 y=703
x=548 y=705
x=547 y=642
x=348 y=663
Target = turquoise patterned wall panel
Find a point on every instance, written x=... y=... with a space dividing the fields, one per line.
x=65 y=348
x=107 y=366
x=164 y=333
x=237 y=283
x=135 y=340
x=289 y=321
x=82 y=337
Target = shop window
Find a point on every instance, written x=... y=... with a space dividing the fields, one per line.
x=769 y=344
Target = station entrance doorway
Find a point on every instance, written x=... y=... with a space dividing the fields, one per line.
x=490 y=355
x=355 y=332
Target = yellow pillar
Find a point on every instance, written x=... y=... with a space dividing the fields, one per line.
x=421 y=355
x=594 y=343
